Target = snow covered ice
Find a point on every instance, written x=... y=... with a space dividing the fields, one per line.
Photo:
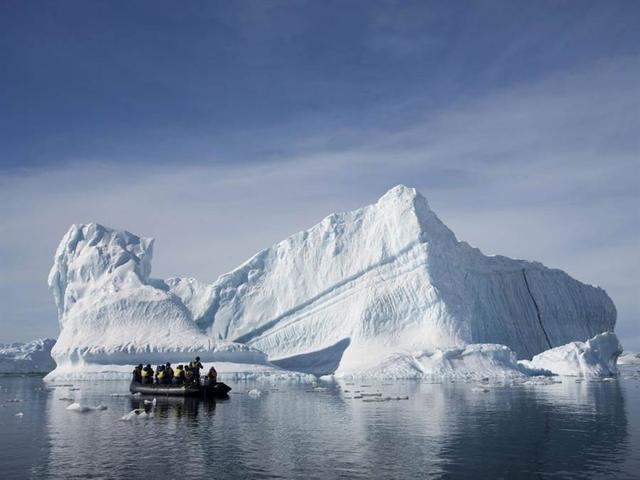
x=594 y=358
x=387 y=287
x=31 y=357
x=80 y=408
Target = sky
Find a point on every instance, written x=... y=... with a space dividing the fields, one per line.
x=220 y=128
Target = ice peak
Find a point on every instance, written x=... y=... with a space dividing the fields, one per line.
x=401 y=194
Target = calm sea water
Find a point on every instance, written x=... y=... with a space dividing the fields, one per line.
x=446 y=430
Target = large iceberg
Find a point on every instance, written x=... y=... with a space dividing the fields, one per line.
x=387 y=279
x=30 y=357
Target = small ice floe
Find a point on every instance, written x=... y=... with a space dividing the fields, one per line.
x=14 y=400
x=319 y=389
x=541 y=381
x=254 y=392
x=138 y=413
x=120 y=395
x=19 y=415
x=384 y=399
x=480 y=389
x=77 y=407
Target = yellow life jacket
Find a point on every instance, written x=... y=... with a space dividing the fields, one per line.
x=179 y=373
x=161 y=374
x=145 y=373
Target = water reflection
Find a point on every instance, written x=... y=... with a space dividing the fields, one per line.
x=443 y=430
x=170 y=407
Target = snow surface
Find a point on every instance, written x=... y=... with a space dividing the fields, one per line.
x=474 y=361
x=629 y=358
x=593 y=358
x=377 y=283
x=32 y=357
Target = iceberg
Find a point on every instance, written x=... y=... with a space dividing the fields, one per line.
x=629 y=358
x=31 y=357
x=384 y=281
x=596 y=357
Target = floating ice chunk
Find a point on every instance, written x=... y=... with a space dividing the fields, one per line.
x=77 y=407
x=19 y=414
x=138 y=413
x=255 y=392
x=129 y=416
x=594 y=358
x=480 y=389
x=629 y=358
x=132 y=414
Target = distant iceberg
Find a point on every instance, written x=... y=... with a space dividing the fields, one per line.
x=31 y=357
x=349 y=294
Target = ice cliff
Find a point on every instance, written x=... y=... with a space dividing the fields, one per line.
x=386 y=279
x=31 y=357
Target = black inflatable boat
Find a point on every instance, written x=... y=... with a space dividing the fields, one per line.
x=213 y=390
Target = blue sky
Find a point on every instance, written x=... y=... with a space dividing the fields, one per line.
x=222 y=127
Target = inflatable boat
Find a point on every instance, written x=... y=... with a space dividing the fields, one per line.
x=212 y=390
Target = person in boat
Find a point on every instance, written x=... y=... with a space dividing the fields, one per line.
x=160 y=374
x=137 y=374
x=212 y=376
x=168 y=372
x=147 y=374
x=194 y=370
x=179 y=377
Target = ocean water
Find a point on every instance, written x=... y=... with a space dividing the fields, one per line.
x=573 y=429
